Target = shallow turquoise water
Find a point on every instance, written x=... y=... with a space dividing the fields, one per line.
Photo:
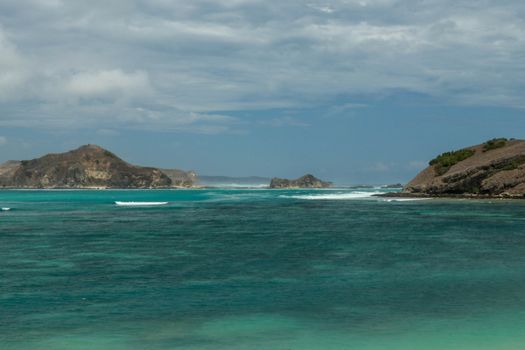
x=259 y=269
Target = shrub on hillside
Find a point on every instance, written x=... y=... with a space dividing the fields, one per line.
x=494 y=143
x=444 y=161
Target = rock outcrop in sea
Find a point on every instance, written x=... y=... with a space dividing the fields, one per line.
x=306 y=181
x=89 y=166
x=495 y=168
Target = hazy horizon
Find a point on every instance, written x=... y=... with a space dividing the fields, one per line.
x=352 y=91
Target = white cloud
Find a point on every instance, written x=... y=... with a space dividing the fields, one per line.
x=177 y=64
x=13 y=70
x=108 y=83
x=322 y=8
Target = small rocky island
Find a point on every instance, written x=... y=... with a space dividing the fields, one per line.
x=89 y=166
x=306 y=181
x=494 y=169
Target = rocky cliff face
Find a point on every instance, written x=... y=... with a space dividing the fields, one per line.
x=493 y=169
x=86 y=167
x=180 y=178
x=306 y=181
x=7 y=170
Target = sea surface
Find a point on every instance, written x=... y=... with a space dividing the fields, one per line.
x=259 y=269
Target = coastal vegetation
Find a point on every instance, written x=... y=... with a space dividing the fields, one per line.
x=514 y=164
x=487 y=173
x=494 y=144
x=444 y=161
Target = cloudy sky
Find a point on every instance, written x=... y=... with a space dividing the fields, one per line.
x=350 y=90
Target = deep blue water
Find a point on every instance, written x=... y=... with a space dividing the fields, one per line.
x=259 y=269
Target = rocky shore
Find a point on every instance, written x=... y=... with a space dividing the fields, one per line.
x=494 y=169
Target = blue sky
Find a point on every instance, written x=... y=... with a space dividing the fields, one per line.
x=351 y=90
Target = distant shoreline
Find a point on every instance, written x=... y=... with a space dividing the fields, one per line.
x=197 y=187
x=95 y=188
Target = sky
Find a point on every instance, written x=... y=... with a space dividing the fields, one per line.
x=353 y=91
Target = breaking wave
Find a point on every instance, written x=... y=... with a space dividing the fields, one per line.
x=334 y=196
x=139 y=204
x=406 y=199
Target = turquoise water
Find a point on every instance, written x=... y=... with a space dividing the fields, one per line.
x=259 y=269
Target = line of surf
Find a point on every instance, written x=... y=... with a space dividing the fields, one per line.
x=139 y=204
x=334 y=196
x=406 y=199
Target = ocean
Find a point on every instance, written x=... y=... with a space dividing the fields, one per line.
x=259 y=269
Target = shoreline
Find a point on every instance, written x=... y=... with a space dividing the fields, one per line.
x=97 y=188
x=446 y=196
x=196 y=187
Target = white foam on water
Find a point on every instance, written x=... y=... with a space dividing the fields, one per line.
x=137 y=204
x=334 y=196
x=406 y=199
x=6 y=209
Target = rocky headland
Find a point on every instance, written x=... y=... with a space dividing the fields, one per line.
x=89 y=166
x=494 y=169
x=306 y=181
